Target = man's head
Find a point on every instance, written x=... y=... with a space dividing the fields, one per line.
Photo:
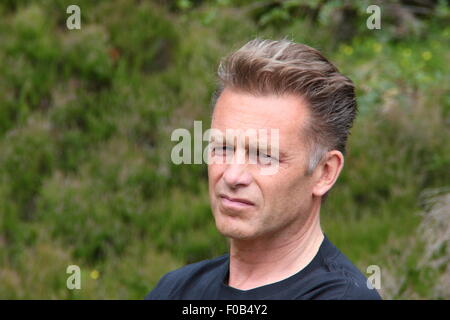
x=292 y=88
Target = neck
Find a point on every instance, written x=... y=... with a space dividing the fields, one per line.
x=262 y=261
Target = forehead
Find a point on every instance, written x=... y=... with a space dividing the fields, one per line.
x=236 y=110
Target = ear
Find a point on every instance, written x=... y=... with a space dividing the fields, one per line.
x=327 y=172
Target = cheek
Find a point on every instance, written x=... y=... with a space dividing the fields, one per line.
x=214 y=173
x=283 y=191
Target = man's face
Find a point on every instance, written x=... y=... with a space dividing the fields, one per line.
x=247 y=204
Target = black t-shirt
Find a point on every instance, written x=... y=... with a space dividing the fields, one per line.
x=330 y=275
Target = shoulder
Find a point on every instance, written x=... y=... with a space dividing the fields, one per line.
x=176 y=280
x=358 y=291
x=338 y=287
x=344 y=280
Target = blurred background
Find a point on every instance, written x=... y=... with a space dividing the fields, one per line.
x=86 y=117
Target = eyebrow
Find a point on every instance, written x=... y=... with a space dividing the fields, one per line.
x=260 y=142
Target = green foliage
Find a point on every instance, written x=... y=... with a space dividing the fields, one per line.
x=86 y=118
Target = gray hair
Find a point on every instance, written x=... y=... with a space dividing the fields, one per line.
x=279 y=67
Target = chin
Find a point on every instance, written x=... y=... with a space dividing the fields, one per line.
x=234 y=228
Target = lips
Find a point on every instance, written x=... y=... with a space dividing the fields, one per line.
x=235 y=203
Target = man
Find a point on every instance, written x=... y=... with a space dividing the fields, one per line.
x=277 y=247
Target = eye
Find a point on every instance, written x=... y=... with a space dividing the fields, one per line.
x=263 y=155
x=222 y=150
x=266 y=158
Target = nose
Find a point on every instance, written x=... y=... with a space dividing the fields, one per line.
x=236 y=175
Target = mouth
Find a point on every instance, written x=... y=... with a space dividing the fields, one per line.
x=235 y=203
